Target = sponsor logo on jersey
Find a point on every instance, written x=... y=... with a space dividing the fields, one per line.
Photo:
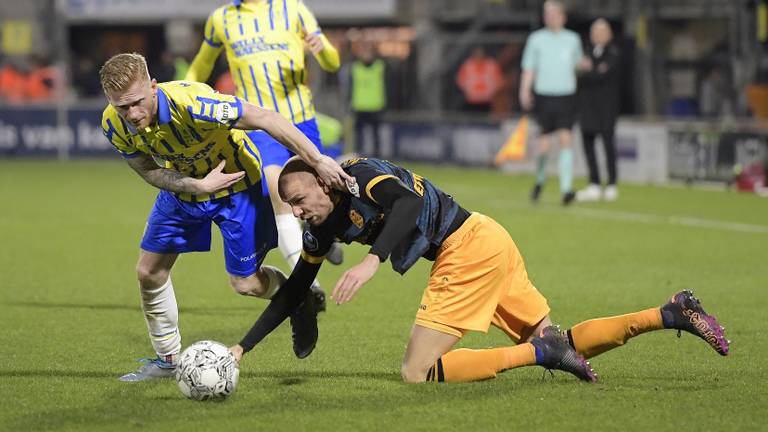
x=180 y=158
x=256 y=45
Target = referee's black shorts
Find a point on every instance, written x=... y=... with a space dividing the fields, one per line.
x=554 y=112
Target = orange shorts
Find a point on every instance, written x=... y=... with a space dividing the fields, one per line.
x=479 y=279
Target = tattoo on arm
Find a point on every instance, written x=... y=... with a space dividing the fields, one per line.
x=160 y=177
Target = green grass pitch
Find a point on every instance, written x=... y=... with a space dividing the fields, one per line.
x=72 y=323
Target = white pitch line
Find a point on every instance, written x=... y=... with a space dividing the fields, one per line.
x=640 y=217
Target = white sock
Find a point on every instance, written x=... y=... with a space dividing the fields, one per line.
x=289 y=239
x=162 y=316
x=275 y=279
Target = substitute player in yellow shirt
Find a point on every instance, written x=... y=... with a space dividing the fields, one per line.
x=264 y=41
x=211 y=173
x=478 y=278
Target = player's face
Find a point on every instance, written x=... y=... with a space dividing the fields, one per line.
x=554 y=17
x=137 y=104
x=309 y=201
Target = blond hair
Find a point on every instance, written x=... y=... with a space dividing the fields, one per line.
x=122 y=70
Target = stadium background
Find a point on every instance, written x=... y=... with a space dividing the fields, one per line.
x=72 y=212
x=669 y=50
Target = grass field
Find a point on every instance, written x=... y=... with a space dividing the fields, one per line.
x=72 y=323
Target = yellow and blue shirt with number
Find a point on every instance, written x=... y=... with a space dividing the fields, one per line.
x=264 y=42
x=192 y=134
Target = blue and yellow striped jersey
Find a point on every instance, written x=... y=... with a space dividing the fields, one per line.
x=192 y=134
x=264 y=42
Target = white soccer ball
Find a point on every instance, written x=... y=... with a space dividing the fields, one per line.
x=207 y=370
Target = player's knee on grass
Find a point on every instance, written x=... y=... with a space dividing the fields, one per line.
x=412 y=373
x=254 y=285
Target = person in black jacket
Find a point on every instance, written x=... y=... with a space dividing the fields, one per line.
x=599 y=97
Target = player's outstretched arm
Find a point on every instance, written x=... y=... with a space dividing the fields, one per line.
x=288 y=135
x=284 y=302
x=354 y=278
x=201 y=67
x=324 y=52
x=402 y=207
x=174 y=181
x=211 y=47
x=321 y=48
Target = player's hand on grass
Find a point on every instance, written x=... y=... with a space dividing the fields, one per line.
x=314 y=43
x=354 y=278
x=331 y=174
x=217 y=180
x=237 y=351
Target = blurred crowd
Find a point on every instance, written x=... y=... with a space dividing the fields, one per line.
x=29 y=79
x=484 y=80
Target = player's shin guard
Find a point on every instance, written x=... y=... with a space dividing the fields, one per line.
x=463 y=365
x=596 y=336
x=162 y=316
x=289 y=239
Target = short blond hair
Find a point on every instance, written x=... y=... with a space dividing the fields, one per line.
x=122 y=70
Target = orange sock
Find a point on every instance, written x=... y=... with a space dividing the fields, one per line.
x=597 y=336
x=463 y=364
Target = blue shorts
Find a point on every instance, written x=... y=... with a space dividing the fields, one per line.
x=273 y=153
x=245 y=219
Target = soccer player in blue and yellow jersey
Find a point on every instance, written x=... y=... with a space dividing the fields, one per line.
x=264 y=41
x=478 y=278
x=211 y=173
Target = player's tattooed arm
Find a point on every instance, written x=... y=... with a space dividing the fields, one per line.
x=174 y=181
x=157 y=176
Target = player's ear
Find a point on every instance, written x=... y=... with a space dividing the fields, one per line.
x=325 y=187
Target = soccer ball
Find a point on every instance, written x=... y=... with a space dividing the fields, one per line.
x=207 y=370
